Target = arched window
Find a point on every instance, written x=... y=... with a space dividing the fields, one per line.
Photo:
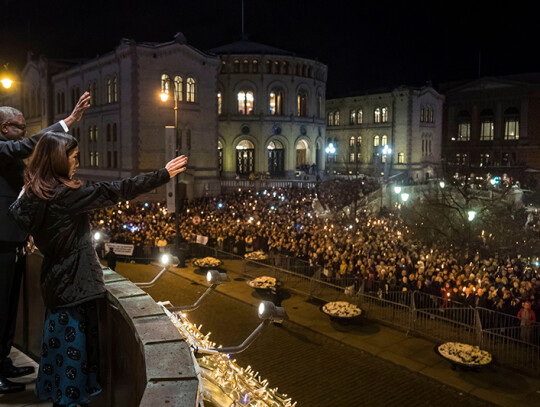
x=178 y=88
x=191 y=90
x=352 y=117
x=511 y=124
x=384 y=140
x=431 y=117
x=359 y=116
x=486 y=125
x=246 y=66
x=165 y=83
x=336 y=118
x=245 y=102
x=276 y=67
x=114 y=133
x=285 y=68
x=304 y=72
x=302 y=101
x=377 y=115
x=90 y=134
x=401 y=158
x=376 y=141
x=255 y=66
x=276 y=102
x=331 y=118
x=423 y=114
x=384 y=114
x=115 y=89
x=95 y=133
x=464 y=126
x=109 y=91
x=220 y=156
x=245 y=157
x=298 y=69
x=268 y=66
x=236 y=66
x=219 y=102
x=352 y=142
x=223 y=67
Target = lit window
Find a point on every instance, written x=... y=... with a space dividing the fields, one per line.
x=255 y=66
x=359 y=141
x=486 y=125
x=351 y=157
x=191 y=90
x=375 y=141
x=384 y=140
x=336 y=119
x=178 y=88
x=359 y=117
x=352 y=118
x=245 y=102
x=90 y=134
x=511 y=124
x=384 y=114
x=331 y=118
x=95 y=133
x=423 y=114
x=302 y=100
x=351 y=142
x=115 y=89
x=109 y=91
x=219 y=101
x=236 y=66
x=165 y=83
x=223 y=66
x=276 y=102
x=431 y=115
x=401 y=158
x=464 y=126
x=268 y=66
x=377 y=115
x=276 y=67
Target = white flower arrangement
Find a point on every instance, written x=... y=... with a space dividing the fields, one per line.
x=263 y=282
x=465 y=354
x=258 y=255
x=341 y=309
x=207 y=262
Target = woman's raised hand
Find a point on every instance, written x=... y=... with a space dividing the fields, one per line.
x=176 y=166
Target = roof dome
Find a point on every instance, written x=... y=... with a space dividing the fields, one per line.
x=248 y=47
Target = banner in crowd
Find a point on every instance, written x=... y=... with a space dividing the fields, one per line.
x=199 y=239
x=120 y=249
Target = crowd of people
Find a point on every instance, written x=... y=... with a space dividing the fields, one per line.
x=376 y=254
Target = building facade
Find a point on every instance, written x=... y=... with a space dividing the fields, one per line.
x=386 y=133
x=123 y=133
x=492 y=125
x=270 y=106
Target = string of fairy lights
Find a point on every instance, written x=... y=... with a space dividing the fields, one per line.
x=223 y=382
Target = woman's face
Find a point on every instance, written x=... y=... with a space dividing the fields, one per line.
x=73 y=161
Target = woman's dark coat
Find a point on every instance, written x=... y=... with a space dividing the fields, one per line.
x=71 y=272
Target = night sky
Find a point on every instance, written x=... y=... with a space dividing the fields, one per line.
x=367 y=45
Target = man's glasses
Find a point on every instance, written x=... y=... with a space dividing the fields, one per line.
x=21 y=127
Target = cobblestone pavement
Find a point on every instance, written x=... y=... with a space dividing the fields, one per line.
x=311 y=368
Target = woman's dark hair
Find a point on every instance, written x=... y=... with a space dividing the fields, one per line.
x=49 y=165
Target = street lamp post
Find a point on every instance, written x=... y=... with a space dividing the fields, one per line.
x=164 y=96
x=386 y=150
x=331 y=152
x=470 y=217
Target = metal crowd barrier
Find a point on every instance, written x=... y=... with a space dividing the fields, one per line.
x=427 y=315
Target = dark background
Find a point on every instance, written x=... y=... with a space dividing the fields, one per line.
x=367 y=45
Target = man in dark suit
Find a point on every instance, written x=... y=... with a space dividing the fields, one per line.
x=14 y=147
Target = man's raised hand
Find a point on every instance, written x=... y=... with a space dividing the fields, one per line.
x=176 y=166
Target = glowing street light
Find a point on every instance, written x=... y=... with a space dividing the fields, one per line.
x=164 y=96
x=6 y=83
x=397 y=190
x=442 y=184
x=331 y=149
x=404 y=197
x=387 y=150
x=471 y=215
